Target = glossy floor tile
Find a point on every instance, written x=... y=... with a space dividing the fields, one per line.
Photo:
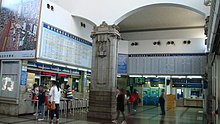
x=144 y=115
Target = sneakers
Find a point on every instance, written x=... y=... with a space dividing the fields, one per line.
x=115 y=121
x=34 y=114
x=40 y=119
x=123 y=122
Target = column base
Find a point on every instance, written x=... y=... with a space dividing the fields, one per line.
x=102 y=105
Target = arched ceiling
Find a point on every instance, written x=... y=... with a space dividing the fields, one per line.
x=158 y=17
x=113 y=12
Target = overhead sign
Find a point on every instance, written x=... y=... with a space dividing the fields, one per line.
x=60 y=46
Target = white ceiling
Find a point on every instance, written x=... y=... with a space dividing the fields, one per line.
x=160 y=17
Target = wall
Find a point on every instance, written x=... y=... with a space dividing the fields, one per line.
x=63 y=19
x=197 y=45
x=123 y=47
x=105 y=12
x=165 y=34
x=145 y=41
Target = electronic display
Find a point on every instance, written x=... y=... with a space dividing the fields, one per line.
x=139 y=80
x=60 y=46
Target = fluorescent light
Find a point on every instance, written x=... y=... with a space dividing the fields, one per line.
x=45 y=62
x=194 y=76
x=135 y=76
x=178 y=76
x=147 y=76
x=61 y=65
x=72 y=67
x=163 y=76
x=82 y=69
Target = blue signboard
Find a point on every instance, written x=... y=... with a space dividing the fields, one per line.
x=195 y=81
x=194 y=86
x=122 y=63
x=23 y=78
x=178 y=81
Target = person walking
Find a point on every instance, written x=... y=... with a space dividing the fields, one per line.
x=162 y=102
x=55 y=97
x=128 y=102
x=35 y=92
x=41 y=98
x=120 y=106
x=134 y=100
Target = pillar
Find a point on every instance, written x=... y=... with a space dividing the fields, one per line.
x=209 y=97
x=102 y=100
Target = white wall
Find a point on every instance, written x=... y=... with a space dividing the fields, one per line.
x=197 y=45
x=113 y=11
x=123 y=47
x=165 y=34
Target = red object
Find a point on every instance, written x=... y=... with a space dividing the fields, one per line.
x=34 y=99
x=46 y=99
x=62 y=75
x=133 y=97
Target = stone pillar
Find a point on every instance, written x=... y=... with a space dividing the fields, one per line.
x=102 y=100
x=209 y=95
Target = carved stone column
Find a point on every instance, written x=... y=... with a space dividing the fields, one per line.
x=102 y=101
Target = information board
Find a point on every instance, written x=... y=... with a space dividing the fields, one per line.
x=60 y=46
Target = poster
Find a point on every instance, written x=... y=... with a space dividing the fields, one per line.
x=18 y=28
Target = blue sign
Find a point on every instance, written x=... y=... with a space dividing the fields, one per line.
x=122 y=63
x=197 y=81
x=23 y=78
x=194 y=86
x=178 y=81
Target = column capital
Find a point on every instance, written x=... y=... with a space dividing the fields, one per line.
x=104 y=28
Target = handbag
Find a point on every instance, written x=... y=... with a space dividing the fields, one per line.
x=51 y=106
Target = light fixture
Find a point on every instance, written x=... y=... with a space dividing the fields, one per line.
x=188 y=41
x=135 y=76
x=134 y=44
x=170 y=42
x=52 y=8
x=194 y=77
x=157 y=43
x=149 y=76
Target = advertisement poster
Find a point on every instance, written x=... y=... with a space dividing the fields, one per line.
x=18 y=28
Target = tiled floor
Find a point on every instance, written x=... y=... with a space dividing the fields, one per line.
x=145 y=115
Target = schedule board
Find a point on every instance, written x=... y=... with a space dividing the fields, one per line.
x=60 y=46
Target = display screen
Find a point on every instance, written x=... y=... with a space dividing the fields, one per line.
x=139 y=80
x=60 y=46
x=18 y=28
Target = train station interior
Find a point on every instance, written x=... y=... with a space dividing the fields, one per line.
x=95 y=51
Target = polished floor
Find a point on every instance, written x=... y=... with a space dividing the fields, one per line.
x=145 y=115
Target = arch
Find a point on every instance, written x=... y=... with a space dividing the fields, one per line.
x=167 y=4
